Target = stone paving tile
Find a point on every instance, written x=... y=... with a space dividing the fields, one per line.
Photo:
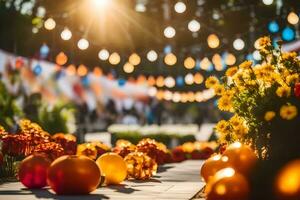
x=175 y=181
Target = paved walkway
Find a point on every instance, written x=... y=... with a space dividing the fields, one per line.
x=174 y=181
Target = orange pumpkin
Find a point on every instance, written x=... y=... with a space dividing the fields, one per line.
x=241 y=157
x=227 y=184
x=33 y=171
x=73 y=175
x=212 y=165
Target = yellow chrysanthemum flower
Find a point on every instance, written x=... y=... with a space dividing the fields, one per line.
x=288 y=112
x=264 y=42
x=227 y=137
x=211 y=81
x=224 y=104
x=269 y=115
x=289 y=56
x=283 y=91
x=231 y=71
x=241 y=130
x=246 y=64
x=291 y=79
x=236 y=121
x=222 y=126
x=219 y=89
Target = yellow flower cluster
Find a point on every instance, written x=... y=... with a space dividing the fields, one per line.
x=233 y=129
x=247 y=88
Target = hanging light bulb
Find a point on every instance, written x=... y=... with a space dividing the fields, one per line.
x=61 y=58
x=170 y=82
x=83 y=44
x=194 y=26
x=170 y=59
x=134 y=59
x=205 y=63
x=98 y=71
x=169 y=32
x=198 y=78
x=50 y=24
x=160 y=81
x=168 y=95
x=256 y=55
x=152 y=91
x=230 y=59
x=267 y=2
x=128 y=68
x=152 y=56
x=213 y=41
x=82 y=70
x=103 y=54
x=180 y=7
x=71 y=70
x=189 y=79
x=238 y=44
x=176 y=97
x=114 y=58
x=189 y=63
x=66 y=34
x=293 y=18
x=151 y=81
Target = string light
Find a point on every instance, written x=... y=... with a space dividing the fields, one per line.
x=176 y=97
x=180 y=7
x=238 y=44
x=170 y=59
x=293 y=18
x=213 y=41
x=66 y=34
x=230 y=59
x=198 y=78
x=160 y=81
x=134 y=59
x=168 y=95
x=205 y=63
x=288 y=34
x=189 y=63
x=71 y=70
x=103 y=54
x=152 y=91
x=189 y=79
x=50 y=24
x=61 y=58
x=114 y=58
x=256 y=55
x=152 y=56
x=82 y=70
x=194 y=26
x=98 y=71
x=83 y=44
x=151 y=81
x=170 y=82
x=128 y=68
x=267 y=2
x=169 y=32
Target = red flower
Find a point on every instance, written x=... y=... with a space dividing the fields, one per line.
x=297 y=90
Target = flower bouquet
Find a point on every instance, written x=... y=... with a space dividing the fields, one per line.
x=264 y=100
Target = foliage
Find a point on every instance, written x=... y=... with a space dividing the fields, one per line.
x=9 y=110
x=135 y=137
x=58 y=119
x=263 y=99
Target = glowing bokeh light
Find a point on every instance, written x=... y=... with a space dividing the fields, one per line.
x=83 y=44
x=169 y=32
x=66 y=34
x=213 y=41
x=103 y=54
x=114 y=58
x=152 y=56
x=180 y=7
